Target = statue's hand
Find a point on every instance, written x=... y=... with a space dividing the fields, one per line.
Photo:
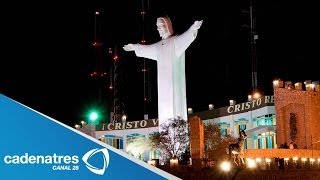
x=196 y=25
x=128 y=47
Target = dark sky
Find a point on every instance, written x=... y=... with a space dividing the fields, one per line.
x=47 y=56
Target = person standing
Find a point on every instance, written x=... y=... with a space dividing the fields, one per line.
x=291 y=146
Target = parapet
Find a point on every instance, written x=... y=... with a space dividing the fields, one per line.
x=309 y=85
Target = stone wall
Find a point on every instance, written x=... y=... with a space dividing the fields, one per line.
x=196 y=140
x=282 y=153
x=305 y=106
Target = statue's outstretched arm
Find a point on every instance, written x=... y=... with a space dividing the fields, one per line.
x=196 y=25
x=183 y=41
x=128 y=47
x=147 y=51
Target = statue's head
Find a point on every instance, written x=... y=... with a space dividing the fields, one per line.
x=164 y=27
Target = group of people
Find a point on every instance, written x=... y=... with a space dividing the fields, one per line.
x=280 y=161
x=292 y=145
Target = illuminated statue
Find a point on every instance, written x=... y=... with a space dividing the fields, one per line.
x=237 y=149
x=169 y=53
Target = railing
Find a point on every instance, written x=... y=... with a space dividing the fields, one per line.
x=282 y=153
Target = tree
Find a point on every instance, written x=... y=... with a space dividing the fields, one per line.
x=215 y=144
x=173 y=140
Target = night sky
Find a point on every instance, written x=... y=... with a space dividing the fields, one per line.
x=47 y=54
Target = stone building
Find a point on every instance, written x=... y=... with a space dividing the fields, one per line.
x=256 y=116
x=298 y=113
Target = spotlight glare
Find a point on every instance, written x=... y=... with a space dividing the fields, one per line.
x=258 y=160
x=251 y=163
x=225 y=166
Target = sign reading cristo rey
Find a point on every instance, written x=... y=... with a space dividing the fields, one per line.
x=250 y=105
x=131 y=125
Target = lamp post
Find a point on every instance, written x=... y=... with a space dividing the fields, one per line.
x=93 y=116
x=83 y=123
x=124 y=118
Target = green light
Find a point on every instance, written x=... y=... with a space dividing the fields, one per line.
x=93 y=116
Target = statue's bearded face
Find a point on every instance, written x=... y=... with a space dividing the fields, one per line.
x=162 y=28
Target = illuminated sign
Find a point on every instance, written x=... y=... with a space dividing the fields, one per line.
x=250 y=105
x=132 y=125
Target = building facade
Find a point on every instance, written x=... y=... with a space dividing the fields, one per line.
x=131 y=137
x=298 y=113
x=291 y=114
x=257 y=117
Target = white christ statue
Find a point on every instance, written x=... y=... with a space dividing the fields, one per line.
x=169 y=53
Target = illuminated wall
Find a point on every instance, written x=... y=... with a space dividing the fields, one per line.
x=196 y=138
x=298 y=113
x=257 y=117
x=132 y=141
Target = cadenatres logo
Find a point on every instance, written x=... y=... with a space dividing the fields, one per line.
x=60 y=162
x=105 y=156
